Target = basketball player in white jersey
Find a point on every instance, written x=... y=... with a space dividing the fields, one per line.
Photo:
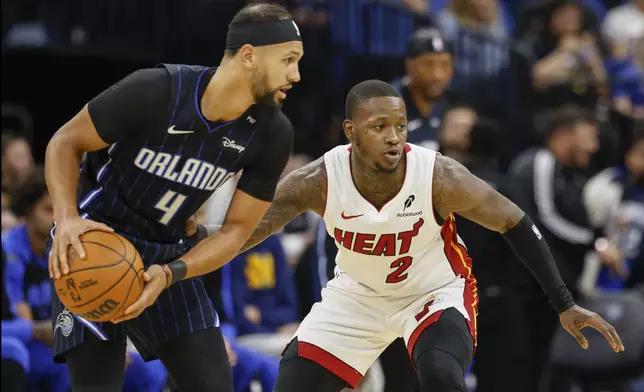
x=402 y=270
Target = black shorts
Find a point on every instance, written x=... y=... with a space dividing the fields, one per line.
x=195 y=362
x=179 y=310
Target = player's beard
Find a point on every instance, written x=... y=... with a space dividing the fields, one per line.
x=378 y=167
x=262 y=93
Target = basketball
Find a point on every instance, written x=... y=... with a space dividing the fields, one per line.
x=109 y=279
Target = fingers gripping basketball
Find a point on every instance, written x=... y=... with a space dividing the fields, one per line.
x=104 y=283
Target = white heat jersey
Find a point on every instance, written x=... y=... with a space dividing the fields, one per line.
x=400 y=249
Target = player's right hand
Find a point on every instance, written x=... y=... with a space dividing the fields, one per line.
x=68 y=232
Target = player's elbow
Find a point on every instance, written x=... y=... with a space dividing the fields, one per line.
x=513 y=216
x=76 y=137
x=61 y=146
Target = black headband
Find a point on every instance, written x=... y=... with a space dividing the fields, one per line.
x=262 y=33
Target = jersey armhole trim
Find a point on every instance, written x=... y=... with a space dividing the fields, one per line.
x=328 y=186
x=437 y=218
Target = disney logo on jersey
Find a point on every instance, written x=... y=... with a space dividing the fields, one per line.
x=408 y=203
x=231 y=144
x=391 y=244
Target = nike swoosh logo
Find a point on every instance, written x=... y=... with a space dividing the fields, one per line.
x=349 y=216
x=173 y=131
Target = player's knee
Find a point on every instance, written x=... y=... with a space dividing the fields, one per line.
x=440 y=371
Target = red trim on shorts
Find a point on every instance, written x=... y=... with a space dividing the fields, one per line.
x=419 y=330
x=330 y=362
x=461 y=264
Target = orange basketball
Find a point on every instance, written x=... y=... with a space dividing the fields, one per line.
x=109 y=279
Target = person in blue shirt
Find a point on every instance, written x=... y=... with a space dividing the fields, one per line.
x=15 y=357
x=27 y=282
x=627 y=84
x=247 y=365
x=263 y=303
x=141 y=376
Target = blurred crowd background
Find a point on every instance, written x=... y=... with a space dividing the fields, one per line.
x=542 y=99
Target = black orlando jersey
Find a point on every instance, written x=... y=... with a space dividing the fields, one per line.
x=165 y=158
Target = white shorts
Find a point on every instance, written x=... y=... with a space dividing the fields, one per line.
x=349 y=329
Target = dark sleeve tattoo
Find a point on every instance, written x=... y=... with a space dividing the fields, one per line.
x=457 y=191
x=302 y=190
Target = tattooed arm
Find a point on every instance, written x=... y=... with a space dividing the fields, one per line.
x=457 y=191
x=302 y=190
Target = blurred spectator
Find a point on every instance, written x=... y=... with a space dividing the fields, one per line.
x=249 y=367
x=568 y=65
x=8 y=217
x=487 y=16
x=549 y=183
x=17 y=160
x=478 y=31
x=474 y=141
x=15 y=356
x=429 y=69
x=455 y=134
x=623 y=30
x=141 y=376
x=623 y=27
x=27 y=278
x=420 y=7
x=263 y=302
x=627 y=86
x=614 y=200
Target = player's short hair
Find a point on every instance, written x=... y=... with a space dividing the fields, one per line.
x=566 y=118
x=25 y=196
x=258 y=12
x=364 y=91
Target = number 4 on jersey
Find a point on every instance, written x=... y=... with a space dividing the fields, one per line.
x=169 y=203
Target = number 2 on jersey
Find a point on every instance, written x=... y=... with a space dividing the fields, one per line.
x=401 y=265
x=169 y=203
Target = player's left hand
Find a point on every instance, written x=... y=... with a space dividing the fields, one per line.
x=155 y=282
x=576 y=318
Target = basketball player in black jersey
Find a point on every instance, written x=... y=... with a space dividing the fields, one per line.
x=158 y=144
